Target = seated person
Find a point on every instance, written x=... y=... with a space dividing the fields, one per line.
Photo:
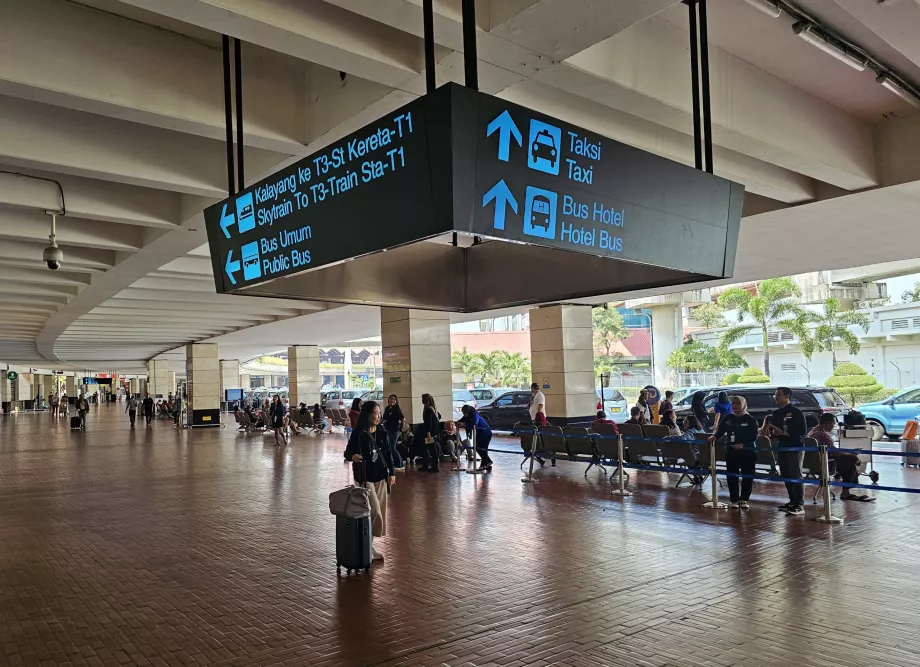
x=636 y=415
x=319 y=419
x=450 y=440
x=602 y=419
x=693 y=431
x=292 y=424
x=669 y=419
x=847 y=463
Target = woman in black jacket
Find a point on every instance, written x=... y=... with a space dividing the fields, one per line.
x=429 y=431
x=369 y=451
x=393 y=419
x=699 y=410
x=739 y=431
x=277 y=420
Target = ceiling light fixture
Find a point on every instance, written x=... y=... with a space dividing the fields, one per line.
x=768 y=7
x=887 y=82
x=814 y=36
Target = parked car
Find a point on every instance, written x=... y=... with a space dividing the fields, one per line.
x=614 y=404
x=485 y=395
x=889 y=417
x=810 y=400
x=375 y=395
x=342 y=398
x=462 y=397
x=504 y=411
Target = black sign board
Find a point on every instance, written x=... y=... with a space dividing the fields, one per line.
x=459 y=160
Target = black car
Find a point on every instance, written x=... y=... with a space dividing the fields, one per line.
x=504 y=411
x=810 y=400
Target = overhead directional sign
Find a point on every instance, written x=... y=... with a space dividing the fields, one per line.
x=457 y=160
x=587 y=193
x=364 y=193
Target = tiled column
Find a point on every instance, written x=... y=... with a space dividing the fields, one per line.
x=416 y=359
x=304 y=379
x=229 y=376
x=203 y=373
x=157 y=380
x=170 y=382
x=562 y=360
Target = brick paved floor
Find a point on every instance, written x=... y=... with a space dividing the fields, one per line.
x=169 y=547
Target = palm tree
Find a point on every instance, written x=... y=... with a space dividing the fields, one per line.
x=833 y=325
x=775 y=304
x=514 y=367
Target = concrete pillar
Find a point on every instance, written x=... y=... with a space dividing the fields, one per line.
x=667 y=336
x=72 y=385
x=170 y=382
x=157 y=379
x=416 y=359
x=562 y=361
x=245 y=380
x=347 y=383
x=304 y=379
x=203 y=384
x=229 y=376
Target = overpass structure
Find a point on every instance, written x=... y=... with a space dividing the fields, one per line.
x=118 y=104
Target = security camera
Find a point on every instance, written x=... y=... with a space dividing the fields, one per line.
x=53 y=257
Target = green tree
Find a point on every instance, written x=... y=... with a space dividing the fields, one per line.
x=832 y=325
x=608 y=327
x=710 y=316
x=696 y=356
x=514 y=368
x=774 y=305
x=911 y=295
x=469 y=364
x=731 y=378
x=753 y=376
x=853 y=383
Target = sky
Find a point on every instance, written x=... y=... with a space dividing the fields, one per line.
x=896 y=286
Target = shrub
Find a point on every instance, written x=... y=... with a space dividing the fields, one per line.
x=731 y=378
x=854 y=384
x=753 y=375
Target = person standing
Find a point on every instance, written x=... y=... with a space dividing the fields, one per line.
x=355 y=412
x=276 y=413
x=537 y=402
x=787 y=425
x=429 y=431
x=148 y=409
x=667 y=403
x=369 y=452
x=393 y=419
x=699 y=410
x=177 y=407
x=131 y=408
x=739 y=429
x=65 y=405
x=82 y=408
x=642 y=404
x=722 y=409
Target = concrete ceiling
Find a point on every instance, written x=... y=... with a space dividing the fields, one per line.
x=120 y=101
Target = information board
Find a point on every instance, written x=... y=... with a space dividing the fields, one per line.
x=369 y=191
x=540 y=180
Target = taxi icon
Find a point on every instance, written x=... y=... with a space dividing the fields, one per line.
x=544 y=148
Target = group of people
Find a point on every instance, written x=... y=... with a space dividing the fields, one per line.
x=732 y=425
x=131 y=405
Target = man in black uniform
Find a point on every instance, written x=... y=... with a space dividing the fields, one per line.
x=787 y=425
x=148 y=409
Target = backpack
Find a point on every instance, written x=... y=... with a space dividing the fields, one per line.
x=854 y=418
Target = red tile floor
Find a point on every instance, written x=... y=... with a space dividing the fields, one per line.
x=210 y=547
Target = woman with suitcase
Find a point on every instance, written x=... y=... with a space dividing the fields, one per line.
x=369 y=451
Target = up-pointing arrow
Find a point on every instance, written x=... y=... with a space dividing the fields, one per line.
x=231 y=267
x=502 y=196
x=506 y=129
x=226 y=220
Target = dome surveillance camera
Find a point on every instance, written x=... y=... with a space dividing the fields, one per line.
x=53 y=257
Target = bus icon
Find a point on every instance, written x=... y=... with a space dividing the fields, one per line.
x=251 y=266
x=540 y=213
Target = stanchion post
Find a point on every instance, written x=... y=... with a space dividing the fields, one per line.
x=714 y=504
x=533 y=454
x=473 y=471
x=827 y=517
x=621 y=487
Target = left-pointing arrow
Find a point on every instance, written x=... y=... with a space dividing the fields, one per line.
x=231 y=267
x=226 y=220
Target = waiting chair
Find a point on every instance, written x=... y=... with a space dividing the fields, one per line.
x=677 y=451
x=579 y=442
x=655 y=431
x=765 y=455
x=811 y=467
x=607 y=443
x=553 y=440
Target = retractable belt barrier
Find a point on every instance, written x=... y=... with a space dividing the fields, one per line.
x=823 y=478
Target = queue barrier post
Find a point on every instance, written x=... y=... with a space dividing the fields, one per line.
x=533 y=454
x=621 y=486
x=473 y=470
x=827 y=517
x=714 y=503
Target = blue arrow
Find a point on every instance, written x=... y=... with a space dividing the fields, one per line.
x=502 y=196
x=226 y=220
x=507 y=129
x=231 y=267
